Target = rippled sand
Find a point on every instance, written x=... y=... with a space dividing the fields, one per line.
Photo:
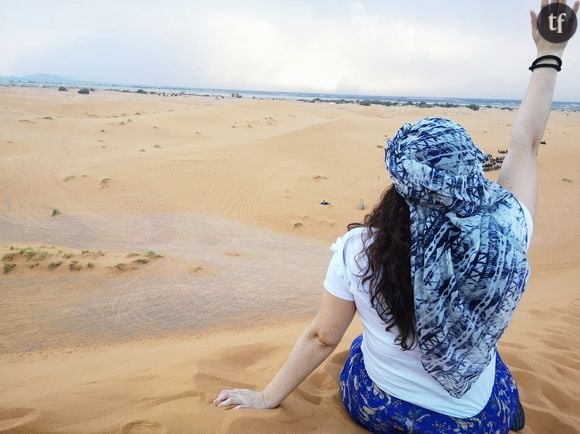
x=227 y=193
x=214 y=273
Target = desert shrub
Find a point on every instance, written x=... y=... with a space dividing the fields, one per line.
x=93 y=253
x=8 y=257
x=446 y=105
x=31 y=253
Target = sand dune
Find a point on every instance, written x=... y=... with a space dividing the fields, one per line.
x=167 y=386
x=228 y=192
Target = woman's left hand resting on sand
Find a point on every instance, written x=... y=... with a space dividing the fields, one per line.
x=314 y=345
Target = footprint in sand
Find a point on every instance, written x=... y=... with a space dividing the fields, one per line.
x=142 y=427
x=163 y=399
x=16 y=418
x=247 y=423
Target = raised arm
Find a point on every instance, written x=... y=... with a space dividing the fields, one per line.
x=519 y=171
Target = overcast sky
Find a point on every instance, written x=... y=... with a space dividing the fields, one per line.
x=469 y=48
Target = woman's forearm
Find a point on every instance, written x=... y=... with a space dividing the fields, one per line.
x=314 y=345
x=532 y=116
x=308 y=353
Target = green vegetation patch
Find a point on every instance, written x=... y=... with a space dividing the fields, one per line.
x=30 y=253
x=92 y=253
x=8 y=257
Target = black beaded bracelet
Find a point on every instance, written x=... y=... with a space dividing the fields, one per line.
x=536 y=64
x=548 y=56
x=545 y=65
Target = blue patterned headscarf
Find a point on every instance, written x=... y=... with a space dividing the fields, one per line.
x=468 y=249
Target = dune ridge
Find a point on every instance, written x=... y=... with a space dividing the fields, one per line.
x=228 y=193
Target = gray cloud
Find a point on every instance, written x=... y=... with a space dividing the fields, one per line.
x=470 y=48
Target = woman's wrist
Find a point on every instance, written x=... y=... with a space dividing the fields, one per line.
x=558 y=53
x=547 y=59
x=267 y=401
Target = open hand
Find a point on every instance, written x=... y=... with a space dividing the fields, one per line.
x=544 y=46
x=240 y=398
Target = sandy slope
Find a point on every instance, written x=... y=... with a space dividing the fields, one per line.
x=228 y=192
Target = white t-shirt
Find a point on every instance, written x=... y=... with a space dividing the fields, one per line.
x=397 y=372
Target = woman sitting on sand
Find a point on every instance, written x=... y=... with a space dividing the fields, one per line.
x=435 y=273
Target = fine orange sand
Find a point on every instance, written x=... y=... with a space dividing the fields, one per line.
x=207 y=245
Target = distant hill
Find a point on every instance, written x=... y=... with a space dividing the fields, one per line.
x=40 y=78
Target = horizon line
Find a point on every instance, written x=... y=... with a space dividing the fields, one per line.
x=75 y=81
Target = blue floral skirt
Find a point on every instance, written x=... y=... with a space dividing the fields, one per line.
x=380 y=412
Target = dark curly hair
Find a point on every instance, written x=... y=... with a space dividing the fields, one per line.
x=389 y=265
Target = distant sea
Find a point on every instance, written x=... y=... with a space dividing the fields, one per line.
x=263 y=94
